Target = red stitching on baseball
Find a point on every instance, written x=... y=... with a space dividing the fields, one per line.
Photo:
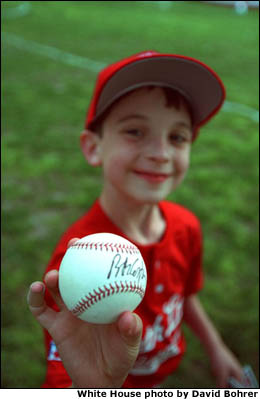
x=90 y=299
x=123 y=248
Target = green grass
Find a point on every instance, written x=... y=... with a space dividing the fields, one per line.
x=46 y=183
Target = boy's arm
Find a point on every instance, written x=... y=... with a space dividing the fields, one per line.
x=223 y=362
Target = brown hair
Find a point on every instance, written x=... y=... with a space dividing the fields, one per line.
x=173 y=99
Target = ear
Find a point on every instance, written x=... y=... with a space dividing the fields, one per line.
x=89 y=142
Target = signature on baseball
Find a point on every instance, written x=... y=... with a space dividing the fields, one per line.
x=120 y=267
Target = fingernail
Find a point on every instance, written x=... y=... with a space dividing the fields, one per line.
x=135 y=328
x=35 y=288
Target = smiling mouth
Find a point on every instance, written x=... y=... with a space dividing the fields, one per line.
x=153 y=177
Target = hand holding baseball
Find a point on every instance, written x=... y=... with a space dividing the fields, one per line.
x=94 y=355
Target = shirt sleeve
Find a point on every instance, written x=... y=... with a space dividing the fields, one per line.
x=195 y=275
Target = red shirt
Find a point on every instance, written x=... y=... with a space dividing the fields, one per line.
x=173 y=272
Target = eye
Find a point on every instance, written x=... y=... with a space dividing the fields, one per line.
x=134 y=133
x=179 y=138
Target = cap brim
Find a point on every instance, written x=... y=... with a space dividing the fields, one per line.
x=195 y=81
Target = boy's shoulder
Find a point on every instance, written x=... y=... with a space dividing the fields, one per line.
x=91 y=222
x=94 y=220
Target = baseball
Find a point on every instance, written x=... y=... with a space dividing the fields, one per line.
x=101 y=276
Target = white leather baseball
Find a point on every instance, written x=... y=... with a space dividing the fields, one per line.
x=101 y=276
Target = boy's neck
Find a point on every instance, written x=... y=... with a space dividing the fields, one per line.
x=143 y=223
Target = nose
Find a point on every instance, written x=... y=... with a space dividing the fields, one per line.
x=158 y=151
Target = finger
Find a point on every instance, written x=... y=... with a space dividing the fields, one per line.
x=221 y=375
x=222 y=381
x=35 y=295
x=52 y=282
x=238 y=373
x=38 y=307
x=72 y=241
x=130 y=327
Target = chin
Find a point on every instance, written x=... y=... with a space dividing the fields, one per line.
x=142 y=195
x=152 y=198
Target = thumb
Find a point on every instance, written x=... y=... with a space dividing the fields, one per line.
x=130 y=327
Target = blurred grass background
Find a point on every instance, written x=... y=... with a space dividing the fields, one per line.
x=46 y=183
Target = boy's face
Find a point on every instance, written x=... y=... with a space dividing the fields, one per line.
x=145 y=147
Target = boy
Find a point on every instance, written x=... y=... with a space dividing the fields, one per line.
x=145 y=113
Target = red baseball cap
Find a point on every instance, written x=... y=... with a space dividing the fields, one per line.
x=198 y=83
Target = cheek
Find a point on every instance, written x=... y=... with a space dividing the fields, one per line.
x=182 y=162
x=116 y=163
x=186 y=163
